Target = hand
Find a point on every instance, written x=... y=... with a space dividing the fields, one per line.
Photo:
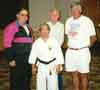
x=73 y=34
x=59 y=68
x=34 y=69
x=12 y=63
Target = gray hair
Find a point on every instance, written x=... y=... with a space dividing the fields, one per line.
x=76 y=5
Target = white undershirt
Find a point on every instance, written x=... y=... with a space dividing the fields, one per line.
x=26 y=29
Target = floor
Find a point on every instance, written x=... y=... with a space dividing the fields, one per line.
x=94 y=76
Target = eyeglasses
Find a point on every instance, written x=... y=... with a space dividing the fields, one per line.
x=24 y=15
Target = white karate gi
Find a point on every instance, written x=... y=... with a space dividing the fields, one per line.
x=46 y=51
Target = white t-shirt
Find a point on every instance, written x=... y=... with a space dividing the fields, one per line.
x=79 y=31
x=57 y=31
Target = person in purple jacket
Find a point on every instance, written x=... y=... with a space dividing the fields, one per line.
x=17 y=42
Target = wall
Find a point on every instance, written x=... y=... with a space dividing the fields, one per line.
x=64 y=7
x=39 y=10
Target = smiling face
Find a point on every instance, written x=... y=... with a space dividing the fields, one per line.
x=22 y=16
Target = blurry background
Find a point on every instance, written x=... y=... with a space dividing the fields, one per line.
x=8 y=9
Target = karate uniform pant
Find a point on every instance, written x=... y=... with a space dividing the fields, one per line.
x=20 y=75
x=45 y=81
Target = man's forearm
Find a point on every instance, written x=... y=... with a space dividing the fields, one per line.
x=93 y=40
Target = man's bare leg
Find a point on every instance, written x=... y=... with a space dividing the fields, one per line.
x=75 y=76
x=84 y=81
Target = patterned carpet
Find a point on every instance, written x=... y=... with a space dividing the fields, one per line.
x=94 y=76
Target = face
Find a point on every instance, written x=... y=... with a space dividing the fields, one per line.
x=44 y=32
x=54 y=16
x=22 y=16
x=76 y=12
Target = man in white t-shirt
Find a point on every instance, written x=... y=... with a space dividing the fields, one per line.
x=81 y=35
x=57 y=32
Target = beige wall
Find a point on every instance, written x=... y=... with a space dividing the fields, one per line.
x=64 y=7
x=39 y=10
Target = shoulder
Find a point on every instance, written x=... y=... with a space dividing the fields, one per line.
x=11 y=28
x=53 y=40
x=36 y=42
x=49 y=23
x=86 y=19
x=11 y=25
x=60 y=23
x=69 y=20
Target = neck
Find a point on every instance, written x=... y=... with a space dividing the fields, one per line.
x=53 y=22
x=76 y=17
x=45 y=38
x=20 y=23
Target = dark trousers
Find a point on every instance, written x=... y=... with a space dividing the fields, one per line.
x=20 y=75
x=59 y=81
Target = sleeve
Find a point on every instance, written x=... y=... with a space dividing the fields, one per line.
x=9 y=33
x=91 y=28
x=8 y=37
x=61 y=40
x=59 y=54
x=9 y=54
x=33 y=54
x=67 y=27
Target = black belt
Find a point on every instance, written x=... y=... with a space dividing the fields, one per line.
x=44 y=62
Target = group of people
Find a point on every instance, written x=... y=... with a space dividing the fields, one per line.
x=43 y=57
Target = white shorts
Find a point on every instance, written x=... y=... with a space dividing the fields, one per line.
x=77 y=60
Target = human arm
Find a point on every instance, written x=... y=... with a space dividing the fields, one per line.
x=33 y=57
x=8 y=36
x=59 y=58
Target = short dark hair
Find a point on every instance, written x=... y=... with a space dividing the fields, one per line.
x=21 y=9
